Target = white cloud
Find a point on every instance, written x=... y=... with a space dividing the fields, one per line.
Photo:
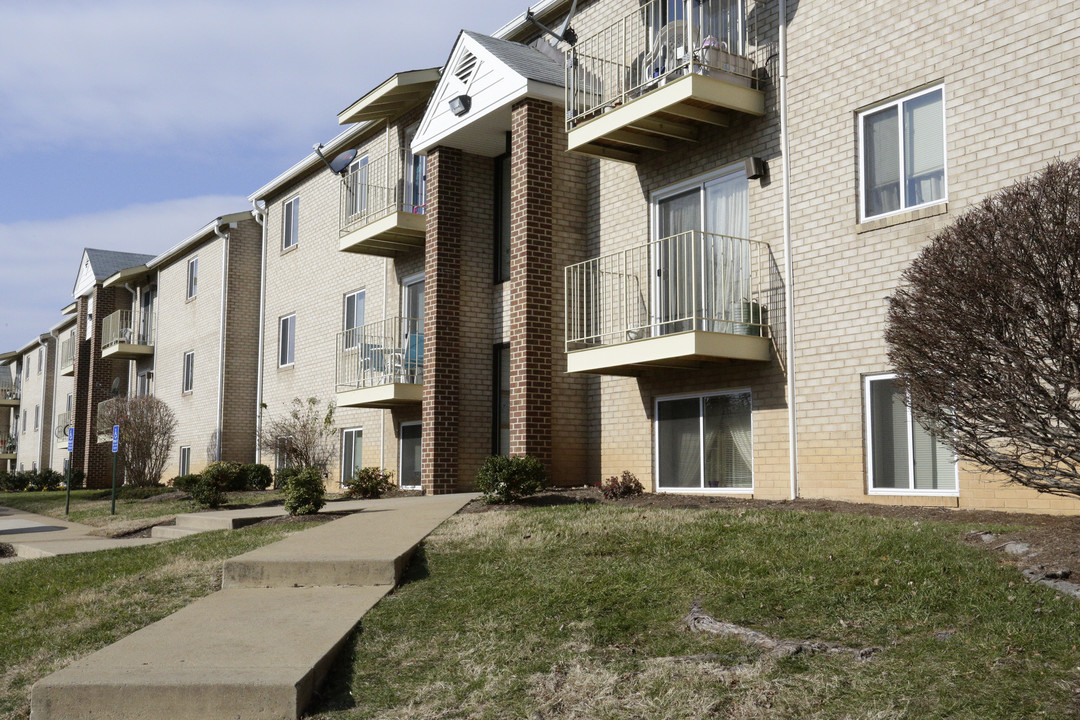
x=117 y=73
x=41 y=258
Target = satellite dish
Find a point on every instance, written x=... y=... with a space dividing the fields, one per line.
x=339 y=163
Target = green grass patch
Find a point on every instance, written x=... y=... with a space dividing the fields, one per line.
x=575 y=611
x=93 y=507
x=56 y=610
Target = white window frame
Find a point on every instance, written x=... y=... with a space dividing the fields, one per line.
x=287 y=340
x=701 y=445
x=185 y=460
x=345 y=434
x=290 y=231
x=192 y=278
x=187 y=372
x=868 y=423
x=24 y=421
x=37 y=418
x=401 y=452
x=40 y=359
x=898 y=103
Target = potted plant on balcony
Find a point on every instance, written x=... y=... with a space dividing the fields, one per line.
x=751 y=317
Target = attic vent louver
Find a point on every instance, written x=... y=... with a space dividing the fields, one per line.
x=466 y=67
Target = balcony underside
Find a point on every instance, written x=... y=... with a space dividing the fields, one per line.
x=127 y=351
x=68 y=371
x=391 y=395
x=396 y=233
x=679 y=110
x=680 y=350
x=9 y=402
x=7 y=456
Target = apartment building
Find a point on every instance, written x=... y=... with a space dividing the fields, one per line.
x=10 y=388
x=344 y=284
x=35 y=366
x=189 y=336
x=63 y=394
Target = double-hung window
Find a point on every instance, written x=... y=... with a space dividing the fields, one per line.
x=189 y=371
x=192 y=277
x=290 y=225
x=185 y=459
x=902 y=154
x=902 y=456
x=287 y=341
x=352 y=452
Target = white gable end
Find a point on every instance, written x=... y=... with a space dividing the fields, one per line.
x=84 y=283
x=492 y=88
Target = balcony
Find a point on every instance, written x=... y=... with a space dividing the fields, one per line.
x=8 y=448
x=662 y=74
x=67 y=357
x=63 y=422
x=382 y=205
x=678 y=302
x=9 y=392
x=381 y=365
x=119 y=340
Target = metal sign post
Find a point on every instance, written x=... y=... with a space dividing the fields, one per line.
x=67 y=473
x=115 y=448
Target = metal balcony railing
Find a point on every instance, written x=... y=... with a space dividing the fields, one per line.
x=381 y=353
x=9 y=389
x=8 y=446
x=118 y=328
x=692 y=281
x=374 y=189
x=659 y=42
x=67 y=354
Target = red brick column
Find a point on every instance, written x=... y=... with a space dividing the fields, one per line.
x=442 y=325
x=531 y=274
x=97 y=457
x=81 y=392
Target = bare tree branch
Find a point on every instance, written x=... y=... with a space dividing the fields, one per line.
x=147 y=433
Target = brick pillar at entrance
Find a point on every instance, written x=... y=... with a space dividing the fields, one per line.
x=531 y=268
x=442 y=323
x=97 y=457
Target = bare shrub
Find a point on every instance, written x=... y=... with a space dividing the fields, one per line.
x=147 y=433
x=985 y=332
x=304 y=437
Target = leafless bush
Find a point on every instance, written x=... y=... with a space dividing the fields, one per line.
x=985 y=332
x=147 y=433
x=304 y=437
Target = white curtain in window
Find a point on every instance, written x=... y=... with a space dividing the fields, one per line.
x=924 y=149
x=726 y=258
x=728 y=441
x=675 y=261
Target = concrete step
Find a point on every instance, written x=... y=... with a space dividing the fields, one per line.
x=201 y=522
x=214 y=659
x=369 y=548
x=171 y=532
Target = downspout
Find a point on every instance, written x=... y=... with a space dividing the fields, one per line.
x=221 y=337
x=260 y=217
x=382 y=414
x=44 y=439
x=789 y=272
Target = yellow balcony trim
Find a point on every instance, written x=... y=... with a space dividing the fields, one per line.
x=382 y=396
x=687 y=349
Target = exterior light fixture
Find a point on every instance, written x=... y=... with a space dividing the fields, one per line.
x=460 y=105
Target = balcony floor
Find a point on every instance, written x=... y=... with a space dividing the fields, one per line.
x=127 y=351
x=679 y=350
x=397 y=232
x=387 y=396
x=674 y=110
x=67 y=371
x=9 y=402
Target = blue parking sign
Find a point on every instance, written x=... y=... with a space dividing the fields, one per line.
x=71 y=439
x=115 y=438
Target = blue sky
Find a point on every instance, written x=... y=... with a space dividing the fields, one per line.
x=129 y=125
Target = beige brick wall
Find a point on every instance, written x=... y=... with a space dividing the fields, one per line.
x=62 y=387
x=1010 y=97
x=35 y=444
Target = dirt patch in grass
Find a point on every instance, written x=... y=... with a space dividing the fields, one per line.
x=1053 y=540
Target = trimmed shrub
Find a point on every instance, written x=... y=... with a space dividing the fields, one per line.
x=256 y=476
x=46 y=480
x=283 y=475
x=620 y=486
x=369 y=482
x=227 y=474
x=184 y=483
x=208 y=491
x=504 y=479
x=304 y=492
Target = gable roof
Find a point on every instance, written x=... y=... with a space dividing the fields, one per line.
x=97 y=265
x=526 y=61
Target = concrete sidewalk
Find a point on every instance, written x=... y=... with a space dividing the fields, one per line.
x=37 y=536
x=261 y=646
